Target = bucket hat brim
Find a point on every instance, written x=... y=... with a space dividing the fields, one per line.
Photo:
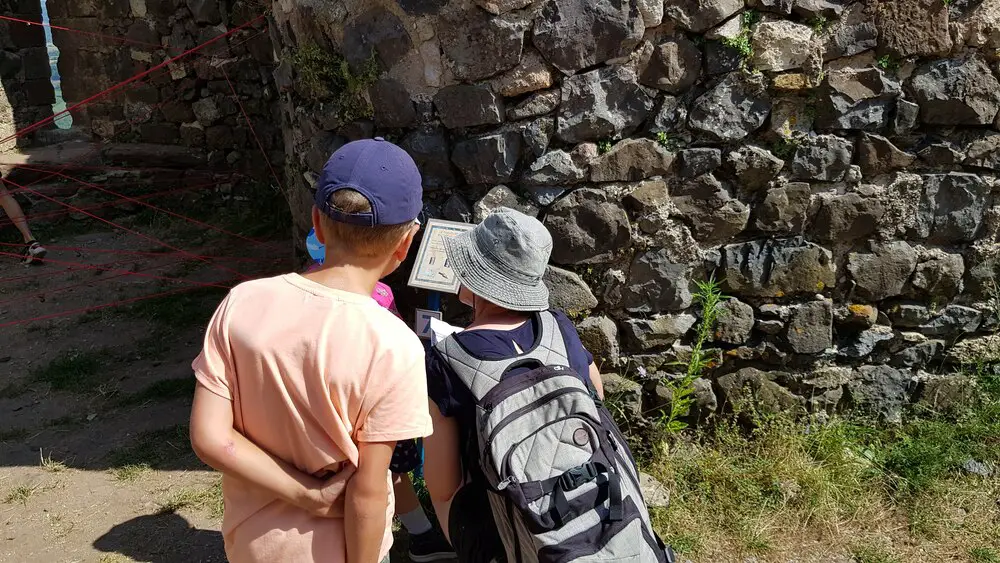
x=483 y=278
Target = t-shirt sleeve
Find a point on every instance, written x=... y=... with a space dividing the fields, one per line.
x=395 y=403
x=214 y=365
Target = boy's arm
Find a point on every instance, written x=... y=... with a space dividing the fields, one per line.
x=595 y=378
x=367 y=501
x=220 y=446
x=442 y=466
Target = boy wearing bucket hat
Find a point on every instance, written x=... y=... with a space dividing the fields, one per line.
x=501 y=264
x=305 y=383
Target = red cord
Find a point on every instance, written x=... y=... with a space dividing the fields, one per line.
x=81 y=32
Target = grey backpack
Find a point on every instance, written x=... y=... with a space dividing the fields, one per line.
x=562 y=484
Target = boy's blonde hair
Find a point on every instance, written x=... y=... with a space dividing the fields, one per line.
x=360 y=241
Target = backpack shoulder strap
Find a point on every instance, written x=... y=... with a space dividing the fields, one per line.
x=481 y=375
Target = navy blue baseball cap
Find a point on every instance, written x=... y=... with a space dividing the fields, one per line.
x=380 y=171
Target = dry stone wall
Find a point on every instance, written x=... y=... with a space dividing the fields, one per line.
x=26 y=92
x=833 y=162
x=189 y=103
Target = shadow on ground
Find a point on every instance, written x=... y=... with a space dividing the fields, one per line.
x=163 y=538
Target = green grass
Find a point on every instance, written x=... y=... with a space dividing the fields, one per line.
x=207 y=499
x=165 y=448
x=984 y=555
x=872 y=554
x=20 y=494
x=752 y=489
x=74 y=370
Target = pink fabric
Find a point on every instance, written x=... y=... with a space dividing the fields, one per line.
x=383 y=296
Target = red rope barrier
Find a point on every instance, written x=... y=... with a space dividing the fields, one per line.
x=126 y=229
x=82 y=32
x=82 y=266
x=161 y=210
x=252 y=129
x=97 y=307
x=124 y=83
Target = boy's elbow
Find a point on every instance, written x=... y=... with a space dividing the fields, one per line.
x=208 y=446
x=366 y=494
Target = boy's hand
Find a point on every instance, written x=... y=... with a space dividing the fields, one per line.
x=328 y=500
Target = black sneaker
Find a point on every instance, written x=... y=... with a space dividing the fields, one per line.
x=430 y=546
x=33 y=253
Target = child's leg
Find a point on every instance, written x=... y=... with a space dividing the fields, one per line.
x=16 y=214
x=408 y=507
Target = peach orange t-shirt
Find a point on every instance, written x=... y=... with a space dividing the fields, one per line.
x=312 y=371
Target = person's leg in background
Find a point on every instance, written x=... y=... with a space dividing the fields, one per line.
x=426 y=542
x=33 y=251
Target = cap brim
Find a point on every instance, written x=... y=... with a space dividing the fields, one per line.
x=482 y=279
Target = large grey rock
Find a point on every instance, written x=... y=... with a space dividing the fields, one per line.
x=476 y=45
x=721 y=58
x=777 y=268
x=713 y=213
x=207 y=111
x=377 y=32
x=774 y=6
x=881 y=390
x=568 y=292
x=502 y=6
x=536 y=105
x=753 y=166
x=752 y=388
x=810 y=9
x=701 y=15
x=979 y=350
x=673 y=66
x=956 y=92
x=576 y=34
x=953 y=321
x=984 y=152
x=600 y=337
x=661 y=331
x=854 y=33
x=657 y=283
x=877 y=155
x=783 y=45
x=855 y=316
x=537 y=135
x=626 y=394
x=825 y=158
x=588 y=227
x=467 y=105
x=392 y=104
x=429 y=149
x=456 y=209
x=846 y=218
x=649 y=203
x=490 y=159
x=862 y=344
x=940 y=277
x=501 y=196
x=555 y=168
x=811 y=329
x=671 y=114
x=910 y=28
x=784 y=209
x=909 y=315
x=858 y=99
x=531 y=75
x=884 y=272
x=919 y=355
x=632 y=160
x=205 y=11
x=698 y=161
x=735 y=322
x=730 y=111
x=907 y=117
x=953 y=207
x=603 y=103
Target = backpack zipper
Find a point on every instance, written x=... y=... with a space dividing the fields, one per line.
x=530 y=407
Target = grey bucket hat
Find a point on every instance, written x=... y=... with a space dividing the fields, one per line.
x=503 y=260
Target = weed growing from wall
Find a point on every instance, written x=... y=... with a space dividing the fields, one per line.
x=741 y=43
x=324 y=76
x=709 y=296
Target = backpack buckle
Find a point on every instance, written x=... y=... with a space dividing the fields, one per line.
x=578 y=476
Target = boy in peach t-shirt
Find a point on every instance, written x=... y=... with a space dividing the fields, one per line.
x=305 y=383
